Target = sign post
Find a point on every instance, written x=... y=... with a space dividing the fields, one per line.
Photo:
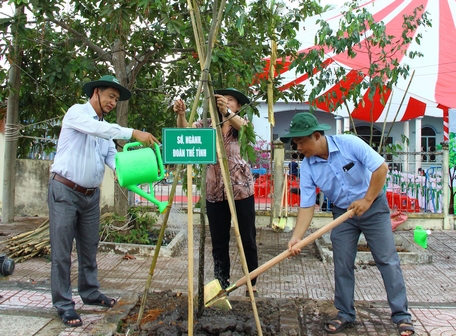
x=189 y=146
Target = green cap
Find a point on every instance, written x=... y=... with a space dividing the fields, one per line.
x=303 y=124
x=109 y=81
x=240 y=97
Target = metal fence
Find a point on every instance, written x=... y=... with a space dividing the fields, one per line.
x=415 y=181
x=413 y=184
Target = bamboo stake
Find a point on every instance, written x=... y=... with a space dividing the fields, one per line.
x=165 y=220
x=46 y=222
x=158 y=245
x=26 y=257
x=200 y=47
x=221 y=154
x=42 y=244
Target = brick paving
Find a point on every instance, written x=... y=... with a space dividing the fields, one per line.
x=430 y=287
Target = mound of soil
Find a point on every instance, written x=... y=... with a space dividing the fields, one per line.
x=166 y=314
x=365 y=248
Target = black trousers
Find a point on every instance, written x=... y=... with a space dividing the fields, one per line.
x=219 y=216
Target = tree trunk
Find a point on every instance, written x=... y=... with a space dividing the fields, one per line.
x=118 y=61
x=12 y=129
x=121 y=194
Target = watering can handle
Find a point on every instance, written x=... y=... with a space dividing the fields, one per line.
x=132 y=144
x=160 y=161
x=158 y=153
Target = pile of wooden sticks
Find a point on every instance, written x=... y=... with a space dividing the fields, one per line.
x=35 y=243
x=29 y=244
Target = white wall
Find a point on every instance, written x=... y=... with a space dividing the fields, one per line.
x=284 y=112
x=31 y=190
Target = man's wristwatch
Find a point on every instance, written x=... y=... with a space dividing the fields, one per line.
x=228 y=113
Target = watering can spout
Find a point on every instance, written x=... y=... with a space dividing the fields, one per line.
x=149 y=196
x=162 y=206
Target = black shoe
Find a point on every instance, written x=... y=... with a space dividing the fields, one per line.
x=224 y=283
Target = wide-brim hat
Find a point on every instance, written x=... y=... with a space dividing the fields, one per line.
x=240 y=97
x=303 y=124
x=109 y=81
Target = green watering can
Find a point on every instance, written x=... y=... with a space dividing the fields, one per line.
x=140 y=166
x=420 y=236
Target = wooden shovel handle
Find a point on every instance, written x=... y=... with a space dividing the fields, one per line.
x=286 y=194
x=284 y=187
x=285 y=254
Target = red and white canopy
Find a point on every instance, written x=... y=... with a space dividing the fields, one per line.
x=432 y=90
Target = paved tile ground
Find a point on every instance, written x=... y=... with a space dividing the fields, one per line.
x=25 y=298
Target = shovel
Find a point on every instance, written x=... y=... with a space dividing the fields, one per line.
x=278 y=223
x=215 y=295
x=288 y=221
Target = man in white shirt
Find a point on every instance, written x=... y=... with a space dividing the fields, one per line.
x=85 y=146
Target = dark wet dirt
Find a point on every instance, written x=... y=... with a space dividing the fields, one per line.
x=166 y=313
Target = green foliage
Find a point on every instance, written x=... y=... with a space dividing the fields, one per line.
x=138 y=229
x=452 y=150
x=247 y=139
x=150 y=46
x=405 y=140
x=392 y=149
x=384 y=51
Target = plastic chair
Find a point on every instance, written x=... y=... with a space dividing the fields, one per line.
x=413 y=205
x=389 y=198
x=403 y=202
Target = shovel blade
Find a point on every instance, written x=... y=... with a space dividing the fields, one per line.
x=279 y=225
x=211 y=291
x=221 y=303
x=289 y=225
x=275 y=223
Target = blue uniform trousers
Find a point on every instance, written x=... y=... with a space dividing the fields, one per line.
x=375 y=224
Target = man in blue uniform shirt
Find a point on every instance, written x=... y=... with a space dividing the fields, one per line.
x=352 y=175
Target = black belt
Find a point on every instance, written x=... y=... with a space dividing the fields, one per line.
x=72 y=185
